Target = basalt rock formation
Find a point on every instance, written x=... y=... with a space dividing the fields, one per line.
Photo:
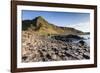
x=43 y=41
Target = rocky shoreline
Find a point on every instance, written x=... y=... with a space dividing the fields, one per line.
x=38 y=48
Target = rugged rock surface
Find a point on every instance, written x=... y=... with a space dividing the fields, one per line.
x=39 y=48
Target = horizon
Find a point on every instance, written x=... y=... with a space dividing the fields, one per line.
x=79 y=21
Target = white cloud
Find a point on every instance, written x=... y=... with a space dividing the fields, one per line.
x=85 y=26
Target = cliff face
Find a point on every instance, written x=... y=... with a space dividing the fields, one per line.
x=40 y=25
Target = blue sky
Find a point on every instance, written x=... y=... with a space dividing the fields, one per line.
x=79 y=21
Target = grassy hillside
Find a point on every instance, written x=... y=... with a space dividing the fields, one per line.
x=41 y=26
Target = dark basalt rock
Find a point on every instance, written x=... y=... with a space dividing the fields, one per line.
x=67 y=38
x=74 y=36
x=82 y=42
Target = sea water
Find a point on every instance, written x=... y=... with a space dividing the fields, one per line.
x=86 y=38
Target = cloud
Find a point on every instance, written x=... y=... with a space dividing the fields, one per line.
x=84 y=26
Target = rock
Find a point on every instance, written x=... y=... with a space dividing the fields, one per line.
x=54 y=49
x=86 y=55
x=24 y=58
x=67 y=54
x=48 y=56
x=80 y=57
x=65 y=48
x=82 y=42
x=76 y=53
x=54 y=57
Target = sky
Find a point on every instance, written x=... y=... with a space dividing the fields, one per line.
x=80 y=21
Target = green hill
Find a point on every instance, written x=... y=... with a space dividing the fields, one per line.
x=41 y=26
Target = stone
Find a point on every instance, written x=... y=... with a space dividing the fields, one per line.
x=82 y=42
x=86 y=55
x=54 y=57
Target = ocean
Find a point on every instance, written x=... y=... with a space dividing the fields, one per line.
x=86 y=38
